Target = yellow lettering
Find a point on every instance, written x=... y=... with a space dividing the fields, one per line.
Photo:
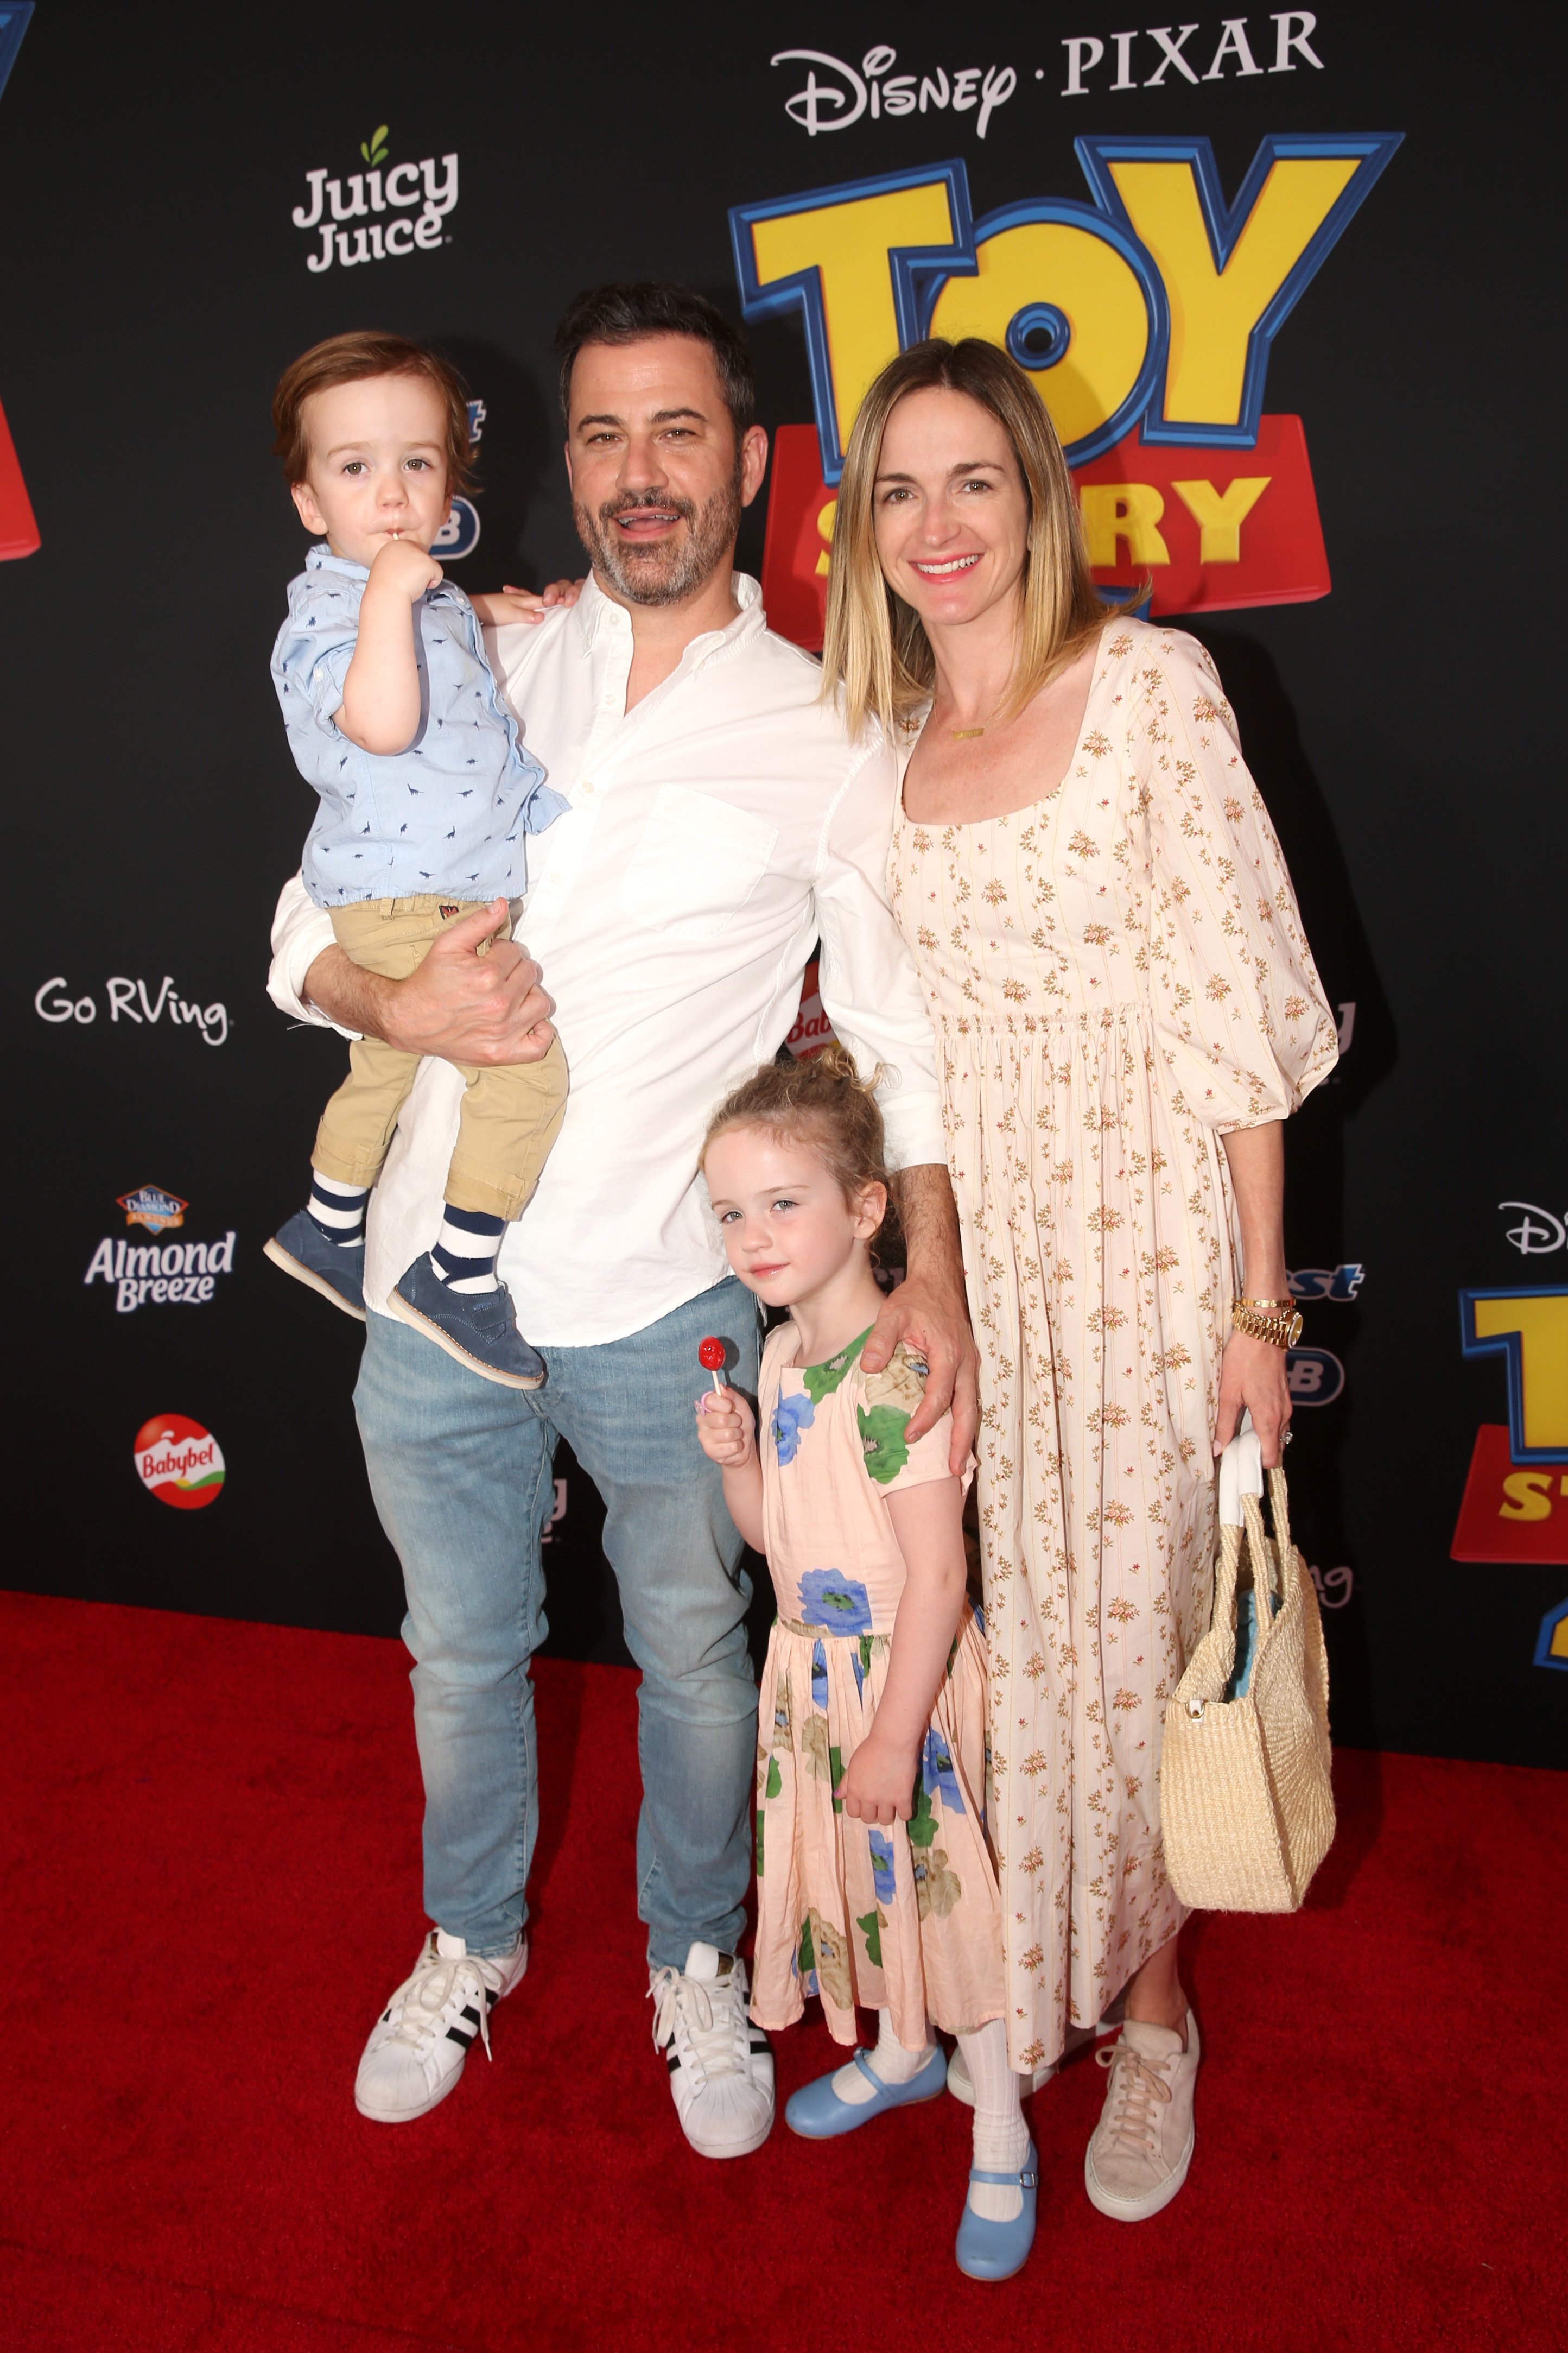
x=1214 y=312
x=1097 y=294
x=1559 y=1639
x=1529 y=1494
x=1220 y=515
x=1542 y=1324
x=849 y=245
x=1123 y=510
x=825 y=533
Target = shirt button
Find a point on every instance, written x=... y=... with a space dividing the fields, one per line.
x=587 y=787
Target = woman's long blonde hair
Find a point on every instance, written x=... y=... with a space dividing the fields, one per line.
x=875 y=649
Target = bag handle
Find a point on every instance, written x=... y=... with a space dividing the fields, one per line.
x=1241 y=1489
x=1240 y=1473
x=1284 y=1553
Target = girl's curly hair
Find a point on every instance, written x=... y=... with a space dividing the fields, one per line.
x=822 y=1103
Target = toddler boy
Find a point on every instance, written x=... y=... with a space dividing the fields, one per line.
x=426 y=795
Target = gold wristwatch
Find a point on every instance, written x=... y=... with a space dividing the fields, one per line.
x=1278 y=1321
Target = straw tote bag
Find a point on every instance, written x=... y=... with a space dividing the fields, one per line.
x=1245 y=1800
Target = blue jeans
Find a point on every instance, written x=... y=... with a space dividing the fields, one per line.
x=460 y=1471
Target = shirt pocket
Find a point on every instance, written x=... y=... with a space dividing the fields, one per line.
x=697 y=864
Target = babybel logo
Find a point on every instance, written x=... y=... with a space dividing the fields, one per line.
x=151 y=1208
x=385 y=201
x=179 y=1462
x=812 y=1028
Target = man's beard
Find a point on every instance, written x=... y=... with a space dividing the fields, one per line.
x=664 y=571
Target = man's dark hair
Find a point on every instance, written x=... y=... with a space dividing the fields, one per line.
x=627 y=313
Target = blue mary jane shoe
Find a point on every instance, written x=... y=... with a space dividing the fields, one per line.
x=995 y=2251
x=817 y=2112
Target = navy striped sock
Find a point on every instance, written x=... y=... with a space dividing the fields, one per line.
x=338 y=1210
x=464 y=1252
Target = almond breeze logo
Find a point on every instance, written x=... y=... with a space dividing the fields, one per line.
x=156 y=1273
x=402 y=210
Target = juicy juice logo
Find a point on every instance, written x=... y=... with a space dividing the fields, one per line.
x=1145 y=319
x=404 y=210
x=179 y=1462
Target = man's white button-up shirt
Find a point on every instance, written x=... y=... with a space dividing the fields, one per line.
x=714 y=831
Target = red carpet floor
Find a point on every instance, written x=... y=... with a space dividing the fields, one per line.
x=211 y=1880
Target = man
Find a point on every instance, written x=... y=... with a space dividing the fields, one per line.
x=720 y=820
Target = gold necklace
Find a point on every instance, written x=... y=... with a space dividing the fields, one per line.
x=962 y=734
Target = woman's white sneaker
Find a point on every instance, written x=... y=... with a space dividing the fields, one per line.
x=720 y=2065
x=1142 y=2145
x=419 y=2045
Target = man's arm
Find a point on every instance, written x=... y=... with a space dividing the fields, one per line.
x=929 y=1311
x=462 y=1005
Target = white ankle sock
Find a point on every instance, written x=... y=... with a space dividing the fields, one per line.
x=891 y=2063
x=464 y=1252
x=1001 y=2136
x=339 y=1210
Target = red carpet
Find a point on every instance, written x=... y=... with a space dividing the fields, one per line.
x=210 y=1880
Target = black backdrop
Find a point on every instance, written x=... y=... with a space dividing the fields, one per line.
x=1402 y=727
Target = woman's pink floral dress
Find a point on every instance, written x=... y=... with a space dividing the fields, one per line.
x=1116 y=976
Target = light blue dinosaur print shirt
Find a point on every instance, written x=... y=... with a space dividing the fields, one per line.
x=451 y=812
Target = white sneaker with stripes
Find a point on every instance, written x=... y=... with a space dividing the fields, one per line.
x=419 y=2045
x=720 y=2065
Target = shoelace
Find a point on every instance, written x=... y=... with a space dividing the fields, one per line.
x=713 y=2031
x=1135 y=2087
x=428 y=1991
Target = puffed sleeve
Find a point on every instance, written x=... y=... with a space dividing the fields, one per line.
x=314 y=649
x=885 y=1404
x=1240 y=1017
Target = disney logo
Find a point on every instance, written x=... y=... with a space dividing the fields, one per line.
x=1538 y=1232
x=876 y=90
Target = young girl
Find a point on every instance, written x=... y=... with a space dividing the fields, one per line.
x=875 y=1881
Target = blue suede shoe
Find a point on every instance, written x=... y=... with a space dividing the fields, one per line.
x=335 y=1269
x=477 y=1328
x=995 y=2251
x=817 y=2112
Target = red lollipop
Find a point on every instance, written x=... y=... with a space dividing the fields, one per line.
x=710 y=1354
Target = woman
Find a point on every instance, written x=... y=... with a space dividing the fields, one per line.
x=1127 y=1010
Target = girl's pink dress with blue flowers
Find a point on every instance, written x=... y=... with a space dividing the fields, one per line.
x=905 y=1916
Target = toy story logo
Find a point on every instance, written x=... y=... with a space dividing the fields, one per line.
x=1515 y=1504
x=1145 y=318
